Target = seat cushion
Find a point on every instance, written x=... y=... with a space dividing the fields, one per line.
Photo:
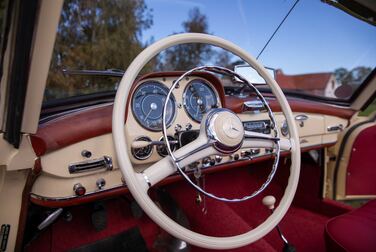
x=353 y=231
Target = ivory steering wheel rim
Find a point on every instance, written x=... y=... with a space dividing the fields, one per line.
x=138 y=184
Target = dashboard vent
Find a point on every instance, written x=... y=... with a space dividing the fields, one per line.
x=91 y=165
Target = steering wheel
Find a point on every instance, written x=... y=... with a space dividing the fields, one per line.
x=221 y=132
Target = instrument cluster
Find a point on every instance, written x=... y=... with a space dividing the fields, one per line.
x=187 y=105
x=150 y=96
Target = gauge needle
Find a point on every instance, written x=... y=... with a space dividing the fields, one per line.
x=199 y=103
x=153 y=106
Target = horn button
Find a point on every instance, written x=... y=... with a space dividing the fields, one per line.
x=226 y=130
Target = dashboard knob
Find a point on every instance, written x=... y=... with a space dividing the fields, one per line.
x=236 y=156
x=79 y=190
x=101 y=183
x=206 y=162
x=123 y=180
x=188 y=126
x=269 y=150
x=178 y=127
x=86 y=153
x=245 y=154
x=285 y=129
x=218 y=158
x=212 y=162
x=255 y=152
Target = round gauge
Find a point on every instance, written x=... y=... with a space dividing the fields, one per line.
x=198 y=99
x=144 y=152
x=147 y=105
x=162 y=149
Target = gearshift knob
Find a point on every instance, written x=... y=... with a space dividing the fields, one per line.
x=269 y=202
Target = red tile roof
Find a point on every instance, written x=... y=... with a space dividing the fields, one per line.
x=311 y=82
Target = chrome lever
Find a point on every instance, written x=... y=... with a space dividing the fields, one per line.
x=141 y=144
x=50 y=219
x=338 y=127
x=255 y=105
x=301 y=119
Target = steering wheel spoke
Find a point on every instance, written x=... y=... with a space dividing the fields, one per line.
x=196 y=150
x=260 y=140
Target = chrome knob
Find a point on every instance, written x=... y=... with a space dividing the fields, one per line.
x=188 y=126
x=206 y=162
x=284 y=129
x=178 y=127
x=79 y=189
x=86 y=153
x=101 y=183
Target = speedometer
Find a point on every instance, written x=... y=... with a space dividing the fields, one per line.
x=198 y=98
x=147 y=105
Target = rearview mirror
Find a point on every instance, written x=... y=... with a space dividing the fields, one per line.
x=251 y=75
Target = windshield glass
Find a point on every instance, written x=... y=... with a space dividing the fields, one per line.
x=316 y=50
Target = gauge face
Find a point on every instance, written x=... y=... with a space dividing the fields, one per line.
x=144 y=152
x=147 y=105
x=199 y=98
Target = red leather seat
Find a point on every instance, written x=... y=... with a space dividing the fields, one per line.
x=353 y=231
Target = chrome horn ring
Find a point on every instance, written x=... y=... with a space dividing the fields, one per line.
x=212 y=140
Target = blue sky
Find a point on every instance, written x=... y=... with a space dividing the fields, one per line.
x=316 y=37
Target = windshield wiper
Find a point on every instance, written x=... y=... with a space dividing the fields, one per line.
x=109 y=72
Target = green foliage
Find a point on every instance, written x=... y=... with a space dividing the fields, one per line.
x=369 y=110
x=95 y=34
x=353 y=77
x=187 y=56
x=99 y=35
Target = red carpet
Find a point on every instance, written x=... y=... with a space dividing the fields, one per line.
x=303 y=225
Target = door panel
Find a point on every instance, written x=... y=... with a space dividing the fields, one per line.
x=361 y=169
x=355 y=170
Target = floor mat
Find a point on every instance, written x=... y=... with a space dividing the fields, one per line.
x=303 y=228
x=130 y=241
x=64 y=235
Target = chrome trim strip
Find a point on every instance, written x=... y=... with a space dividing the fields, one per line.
x=46 y=198
x=146 y=179
x=202 y=147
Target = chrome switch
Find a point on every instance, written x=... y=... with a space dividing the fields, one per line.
x=79 y=190
x=101 y=183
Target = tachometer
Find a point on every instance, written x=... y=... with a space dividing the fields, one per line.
x=198 y=98
x=147 y=105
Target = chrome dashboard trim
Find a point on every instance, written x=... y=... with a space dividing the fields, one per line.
x=46 y=198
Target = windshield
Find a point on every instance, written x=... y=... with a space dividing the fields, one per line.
x=315 y=49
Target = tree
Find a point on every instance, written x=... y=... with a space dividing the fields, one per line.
x=95 y=34
x=187 y=56
x=353 y=77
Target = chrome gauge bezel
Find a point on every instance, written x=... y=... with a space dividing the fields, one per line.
x=163 y=86
x=205 y=83
x=174 y=146
x=150 y=147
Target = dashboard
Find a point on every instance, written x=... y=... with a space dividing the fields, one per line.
x=77 y=154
